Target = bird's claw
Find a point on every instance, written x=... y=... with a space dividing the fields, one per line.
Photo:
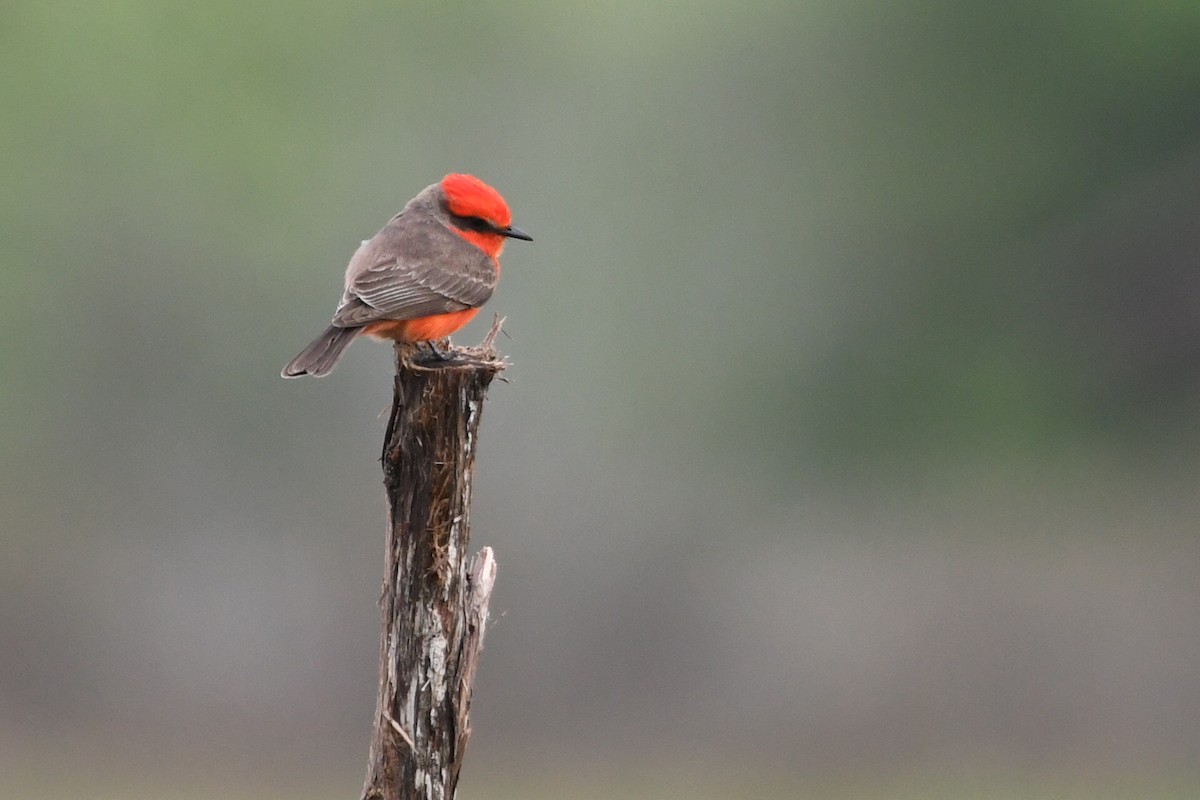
x=438 y=357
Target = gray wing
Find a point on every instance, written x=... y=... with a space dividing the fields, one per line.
x=414 y=267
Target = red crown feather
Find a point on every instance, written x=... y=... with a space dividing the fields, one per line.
x=467 y=196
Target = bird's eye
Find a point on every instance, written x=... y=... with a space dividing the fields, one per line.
x=474 y=224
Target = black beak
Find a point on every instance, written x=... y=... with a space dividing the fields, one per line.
x=514 y=233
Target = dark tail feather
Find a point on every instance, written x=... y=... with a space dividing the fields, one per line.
x=320 y=357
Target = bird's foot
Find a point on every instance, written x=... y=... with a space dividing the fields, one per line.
x=435 y=356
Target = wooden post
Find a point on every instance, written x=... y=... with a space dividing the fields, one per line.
x=434 y=604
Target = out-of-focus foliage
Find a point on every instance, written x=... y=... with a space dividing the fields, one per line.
x=854 y=388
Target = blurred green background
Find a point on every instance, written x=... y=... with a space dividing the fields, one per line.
x=850 y=444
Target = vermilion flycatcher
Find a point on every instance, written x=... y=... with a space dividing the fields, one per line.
x=423 y=276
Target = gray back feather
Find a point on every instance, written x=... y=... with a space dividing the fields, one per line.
x=416 y=266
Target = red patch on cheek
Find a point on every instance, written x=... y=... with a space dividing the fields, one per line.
x=489 y=243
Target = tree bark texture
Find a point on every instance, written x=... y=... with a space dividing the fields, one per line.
x=434 y=603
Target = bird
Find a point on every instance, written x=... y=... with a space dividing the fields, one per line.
x=423 y=276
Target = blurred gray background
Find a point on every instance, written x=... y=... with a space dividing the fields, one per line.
x=850 y=448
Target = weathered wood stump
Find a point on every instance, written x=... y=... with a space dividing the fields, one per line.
x=434 y=603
